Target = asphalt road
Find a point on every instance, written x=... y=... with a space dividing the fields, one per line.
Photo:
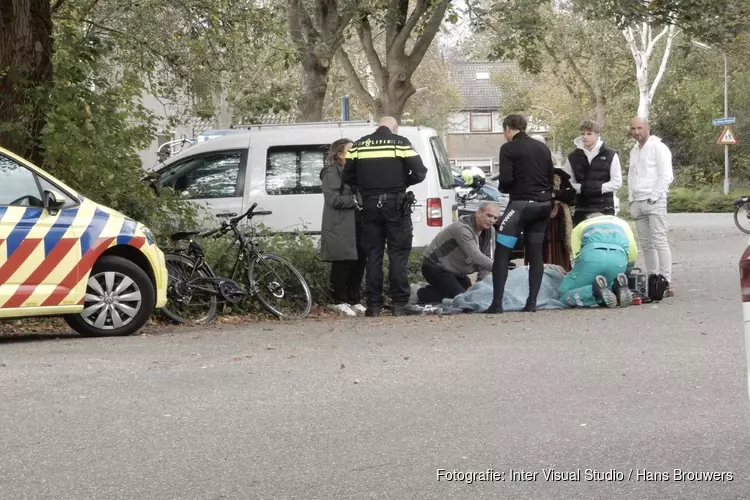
x=328 y=410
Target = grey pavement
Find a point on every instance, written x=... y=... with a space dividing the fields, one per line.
x=373 y=408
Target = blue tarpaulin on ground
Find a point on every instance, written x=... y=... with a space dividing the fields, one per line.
x=479 y=298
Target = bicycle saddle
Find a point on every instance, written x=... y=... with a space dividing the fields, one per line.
x=182 y=235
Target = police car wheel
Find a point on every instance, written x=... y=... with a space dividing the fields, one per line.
x=119 y=299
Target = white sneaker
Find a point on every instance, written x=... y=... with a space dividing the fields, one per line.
x=343 y=309
x=358 y=308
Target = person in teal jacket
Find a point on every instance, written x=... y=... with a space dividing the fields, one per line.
x=604 y=250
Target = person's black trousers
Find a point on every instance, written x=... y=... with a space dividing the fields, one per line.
x=346 y=281
x=380 y=226
x=346 y=275
x=443 y=284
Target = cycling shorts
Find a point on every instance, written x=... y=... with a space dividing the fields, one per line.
x=521 y=216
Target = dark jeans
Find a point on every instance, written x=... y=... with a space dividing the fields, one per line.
x=580 y=214
x=442 y=284
x=387 y=224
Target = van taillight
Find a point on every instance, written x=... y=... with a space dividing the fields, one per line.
x=745 y=275
x=434 y=212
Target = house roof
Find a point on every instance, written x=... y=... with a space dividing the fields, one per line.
x=476 y=81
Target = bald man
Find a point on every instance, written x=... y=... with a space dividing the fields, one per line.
x=380 y=167
x=649 y=177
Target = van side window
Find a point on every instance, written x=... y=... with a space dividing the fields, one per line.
x=445 y=174
x=295 y=169
x=18 y=185
x=210 y=175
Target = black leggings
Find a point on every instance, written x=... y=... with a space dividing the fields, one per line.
x=530 y=218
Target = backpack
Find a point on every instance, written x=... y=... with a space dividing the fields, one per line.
x=657 y=286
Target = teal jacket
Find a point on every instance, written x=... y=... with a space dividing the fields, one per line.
x=605 y=229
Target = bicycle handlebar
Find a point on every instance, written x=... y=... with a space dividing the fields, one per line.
x=225 y=226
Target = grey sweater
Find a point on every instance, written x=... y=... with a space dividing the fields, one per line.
x=461 y=249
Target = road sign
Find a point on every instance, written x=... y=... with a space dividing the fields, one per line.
x=727 y=137
x=728 y=120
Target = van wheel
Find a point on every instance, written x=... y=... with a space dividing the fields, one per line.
x=119 y=299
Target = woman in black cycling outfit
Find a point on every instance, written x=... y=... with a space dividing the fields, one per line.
x=526 y=171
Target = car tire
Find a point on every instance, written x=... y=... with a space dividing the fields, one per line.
x=126 y=293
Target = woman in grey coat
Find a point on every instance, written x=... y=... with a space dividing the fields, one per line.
x=340 y=233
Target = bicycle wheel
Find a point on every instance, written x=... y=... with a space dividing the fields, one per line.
x=742 y=214
x=185 y=303
x=276 y=281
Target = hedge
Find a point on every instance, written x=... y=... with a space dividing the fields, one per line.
x=682 y=199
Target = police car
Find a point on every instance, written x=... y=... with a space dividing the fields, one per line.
x=62 y=254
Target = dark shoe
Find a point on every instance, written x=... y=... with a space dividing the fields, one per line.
x=372 y=312
x=602 y=293
x=622 y=291
x=399 y=310
x=495 y=308
x=530 y=306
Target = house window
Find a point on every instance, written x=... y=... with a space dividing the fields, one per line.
x=295 y=169
x=480 y=122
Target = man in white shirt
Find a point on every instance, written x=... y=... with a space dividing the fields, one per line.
x=595 y=173
x=649 y=177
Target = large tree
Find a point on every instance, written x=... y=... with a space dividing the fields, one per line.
x=26 y=49
x=395 y=36
x=316 y=28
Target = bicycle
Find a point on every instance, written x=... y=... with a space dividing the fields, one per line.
x=191 y=276
x=742 y=203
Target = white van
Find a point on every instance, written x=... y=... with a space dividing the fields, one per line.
x=278 y=166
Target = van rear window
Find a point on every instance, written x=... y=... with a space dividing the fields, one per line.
x=443 y=164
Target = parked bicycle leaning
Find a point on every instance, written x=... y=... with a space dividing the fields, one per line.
x=195 y=290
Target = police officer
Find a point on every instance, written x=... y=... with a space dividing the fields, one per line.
x=379 y=168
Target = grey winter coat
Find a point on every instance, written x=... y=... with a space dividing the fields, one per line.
x=338 y=240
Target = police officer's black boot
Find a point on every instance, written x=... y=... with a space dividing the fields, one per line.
x=399 y=310
x=372 y=312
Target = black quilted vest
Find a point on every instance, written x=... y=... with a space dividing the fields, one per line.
x=592 y=177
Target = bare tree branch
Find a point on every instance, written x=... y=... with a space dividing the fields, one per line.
x=353 y=78
x=365 y=37
x=664 y=61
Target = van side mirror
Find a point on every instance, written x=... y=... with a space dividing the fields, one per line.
x=53 y=201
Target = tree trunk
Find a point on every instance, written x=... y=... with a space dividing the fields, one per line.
x=25 y=67
x=601 y=113
x=642 y=51
x=314 y=87
x=395 y=90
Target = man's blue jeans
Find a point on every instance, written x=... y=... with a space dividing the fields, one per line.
x=576 y=289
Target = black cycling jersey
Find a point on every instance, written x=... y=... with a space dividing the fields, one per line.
x=526 y=169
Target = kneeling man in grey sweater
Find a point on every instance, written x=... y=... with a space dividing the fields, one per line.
x=460 y=249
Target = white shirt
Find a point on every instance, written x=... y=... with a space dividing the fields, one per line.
x=615 y=171
x=650 y=170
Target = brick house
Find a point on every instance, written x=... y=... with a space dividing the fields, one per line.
x=474 y=133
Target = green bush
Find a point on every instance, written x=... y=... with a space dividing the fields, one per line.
x=683 y=199
x=691 y=200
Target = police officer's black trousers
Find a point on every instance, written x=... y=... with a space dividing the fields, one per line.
x=387 y=224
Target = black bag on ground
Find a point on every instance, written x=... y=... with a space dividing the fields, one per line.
x=657 y=286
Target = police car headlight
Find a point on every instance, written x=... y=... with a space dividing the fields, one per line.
x=149 y=235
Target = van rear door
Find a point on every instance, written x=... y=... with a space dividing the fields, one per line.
x=446 y=182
